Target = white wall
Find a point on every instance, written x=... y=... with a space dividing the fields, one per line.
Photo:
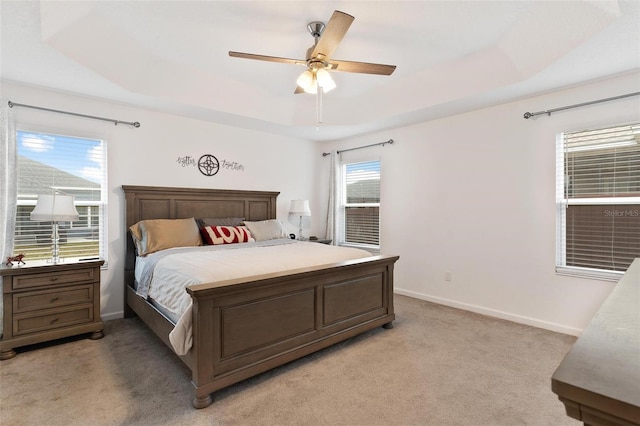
x=147 y=156
x=474 y=194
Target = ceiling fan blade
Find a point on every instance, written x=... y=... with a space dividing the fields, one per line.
x=298 y=90
x=267 y=58
x=362 y=67
x=332 y=35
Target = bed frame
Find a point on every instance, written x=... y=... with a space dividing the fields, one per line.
x=243 y=327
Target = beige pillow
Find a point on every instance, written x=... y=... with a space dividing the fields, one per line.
x=266 y=229
x=153 y=235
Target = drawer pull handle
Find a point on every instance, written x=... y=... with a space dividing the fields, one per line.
x=53 y=321
x=54 y=278
x=55 y=299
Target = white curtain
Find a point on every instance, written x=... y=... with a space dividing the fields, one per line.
x=8 y=184
x=334 y=197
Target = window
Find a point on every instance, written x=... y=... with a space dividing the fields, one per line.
x=598 y=201
x=361 y=204
x=50 y=163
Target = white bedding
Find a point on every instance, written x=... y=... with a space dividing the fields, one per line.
x=163 y=276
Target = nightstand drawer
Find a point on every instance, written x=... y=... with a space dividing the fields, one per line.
x=29 y=301
x=53 y=278
x=50 y=319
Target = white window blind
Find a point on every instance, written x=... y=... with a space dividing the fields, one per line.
x=361 y=201
x=598 y=201
x=48 y=164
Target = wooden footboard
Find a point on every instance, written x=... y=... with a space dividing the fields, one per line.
x=245 y=327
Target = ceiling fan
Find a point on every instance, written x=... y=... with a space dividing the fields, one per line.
x=318 y=59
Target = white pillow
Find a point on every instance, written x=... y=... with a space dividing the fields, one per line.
x=266 y=229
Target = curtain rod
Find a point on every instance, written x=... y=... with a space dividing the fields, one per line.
x=528 y=115
x=116 y=122
x=390 y=142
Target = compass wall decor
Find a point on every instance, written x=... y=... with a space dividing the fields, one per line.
x=208 y=164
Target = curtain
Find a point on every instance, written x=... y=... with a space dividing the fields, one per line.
x=334 y=197
x=8 y=185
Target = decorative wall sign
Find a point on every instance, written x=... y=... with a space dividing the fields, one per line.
x=187 y=160
x=208 y=164
x=232 y=165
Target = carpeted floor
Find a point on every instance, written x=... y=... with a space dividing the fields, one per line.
x=438 y=366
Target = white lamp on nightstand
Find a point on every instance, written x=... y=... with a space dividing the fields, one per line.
x=300 y=208
x=54 y=208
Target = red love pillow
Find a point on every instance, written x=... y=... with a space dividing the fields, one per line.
x=213 y=235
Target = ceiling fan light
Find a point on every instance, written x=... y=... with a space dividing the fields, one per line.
x=325 y=81
x=313 y=89
x=306 y=80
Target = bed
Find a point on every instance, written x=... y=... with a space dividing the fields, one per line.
x=244 y=326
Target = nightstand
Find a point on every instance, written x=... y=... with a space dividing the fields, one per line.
x=44 y=301
x=321 y=241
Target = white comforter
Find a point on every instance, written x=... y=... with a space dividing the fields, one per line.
x=163 y=276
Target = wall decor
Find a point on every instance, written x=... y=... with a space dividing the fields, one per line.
x=232 y=165
x=187 y=160
x=208 y=164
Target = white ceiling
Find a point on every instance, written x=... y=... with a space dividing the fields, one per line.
x=451 y=56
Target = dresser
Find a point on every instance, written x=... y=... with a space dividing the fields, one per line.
x=599 y=379
x=44 y=301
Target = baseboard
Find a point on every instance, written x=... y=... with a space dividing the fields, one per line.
x=112 y=316
x=559 y=328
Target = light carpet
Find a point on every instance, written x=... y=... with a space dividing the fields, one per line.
x=437 y=366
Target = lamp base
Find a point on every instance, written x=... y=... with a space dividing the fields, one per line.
x=300 y=230
x=55 y=237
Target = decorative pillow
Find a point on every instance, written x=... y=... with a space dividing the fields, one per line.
x=266 y=229
x=220 y=221
x=153 y=235
x=213 y=235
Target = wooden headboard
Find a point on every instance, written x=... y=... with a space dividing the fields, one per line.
x=154 y=202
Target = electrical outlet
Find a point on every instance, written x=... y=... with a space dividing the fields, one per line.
x=447 y=276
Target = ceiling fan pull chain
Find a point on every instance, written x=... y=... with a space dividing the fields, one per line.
x=319 y=107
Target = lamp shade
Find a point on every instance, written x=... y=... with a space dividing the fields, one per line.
x=324 y=80
x=300 y=208
x=312 y=88
x=306 y=80
x=54 y=208
x=310 y=80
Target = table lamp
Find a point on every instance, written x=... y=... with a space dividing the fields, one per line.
x=55 y=208
x=300 y=208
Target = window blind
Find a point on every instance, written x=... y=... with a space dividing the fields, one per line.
x=361 y=221
x=598 y=193
x=48 y=164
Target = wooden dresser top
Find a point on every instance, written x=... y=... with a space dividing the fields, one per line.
x=602 y=370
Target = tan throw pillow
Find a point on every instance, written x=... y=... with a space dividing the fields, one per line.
x=153 y=235
x=266 y=229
